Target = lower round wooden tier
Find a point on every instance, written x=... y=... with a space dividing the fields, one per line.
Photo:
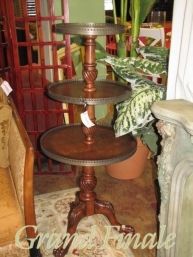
x=66 y=144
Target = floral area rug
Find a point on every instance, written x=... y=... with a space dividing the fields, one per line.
x=94 y=237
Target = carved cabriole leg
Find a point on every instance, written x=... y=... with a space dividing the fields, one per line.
x=106 y=208
x=82 y=207
x=77 y=212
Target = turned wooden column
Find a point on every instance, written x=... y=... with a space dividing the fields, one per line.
x=88 y=183
x=88 y=180
x=89 y=74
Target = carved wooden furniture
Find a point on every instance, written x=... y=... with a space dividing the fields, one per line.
x=175 y=174
x=83 y=145
x=16 y=187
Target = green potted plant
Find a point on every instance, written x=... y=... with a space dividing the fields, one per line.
x=138 y=10
x=121 y=39
x=134 y=115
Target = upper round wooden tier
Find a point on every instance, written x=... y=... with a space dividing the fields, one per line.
x=72 y=91
x=66 y=144
x=89 y=29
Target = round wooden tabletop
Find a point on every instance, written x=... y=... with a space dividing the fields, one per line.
x=72 y=91
x=89 y=29
x=66 y=144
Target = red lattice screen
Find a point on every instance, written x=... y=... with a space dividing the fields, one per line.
x=5 y=52
x=33 y=53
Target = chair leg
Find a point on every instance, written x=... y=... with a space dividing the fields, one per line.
x=34 y=252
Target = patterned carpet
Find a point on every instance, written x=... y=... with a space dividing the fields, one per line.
x=134 y=202
x=51 y=212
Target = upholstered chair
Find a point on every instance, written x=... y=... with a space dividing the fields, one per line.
x=16 y=181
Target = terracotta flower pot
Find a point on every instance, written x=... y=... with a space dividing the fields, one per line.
x=132 y=167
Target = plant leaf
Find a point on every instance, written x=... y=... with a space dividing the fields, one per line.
x=157 y=54
x=145 y=8
x=135 y=113
x=135 y=69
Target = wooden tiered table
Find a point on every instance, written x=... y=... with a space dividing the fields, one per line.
x=88 y=146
